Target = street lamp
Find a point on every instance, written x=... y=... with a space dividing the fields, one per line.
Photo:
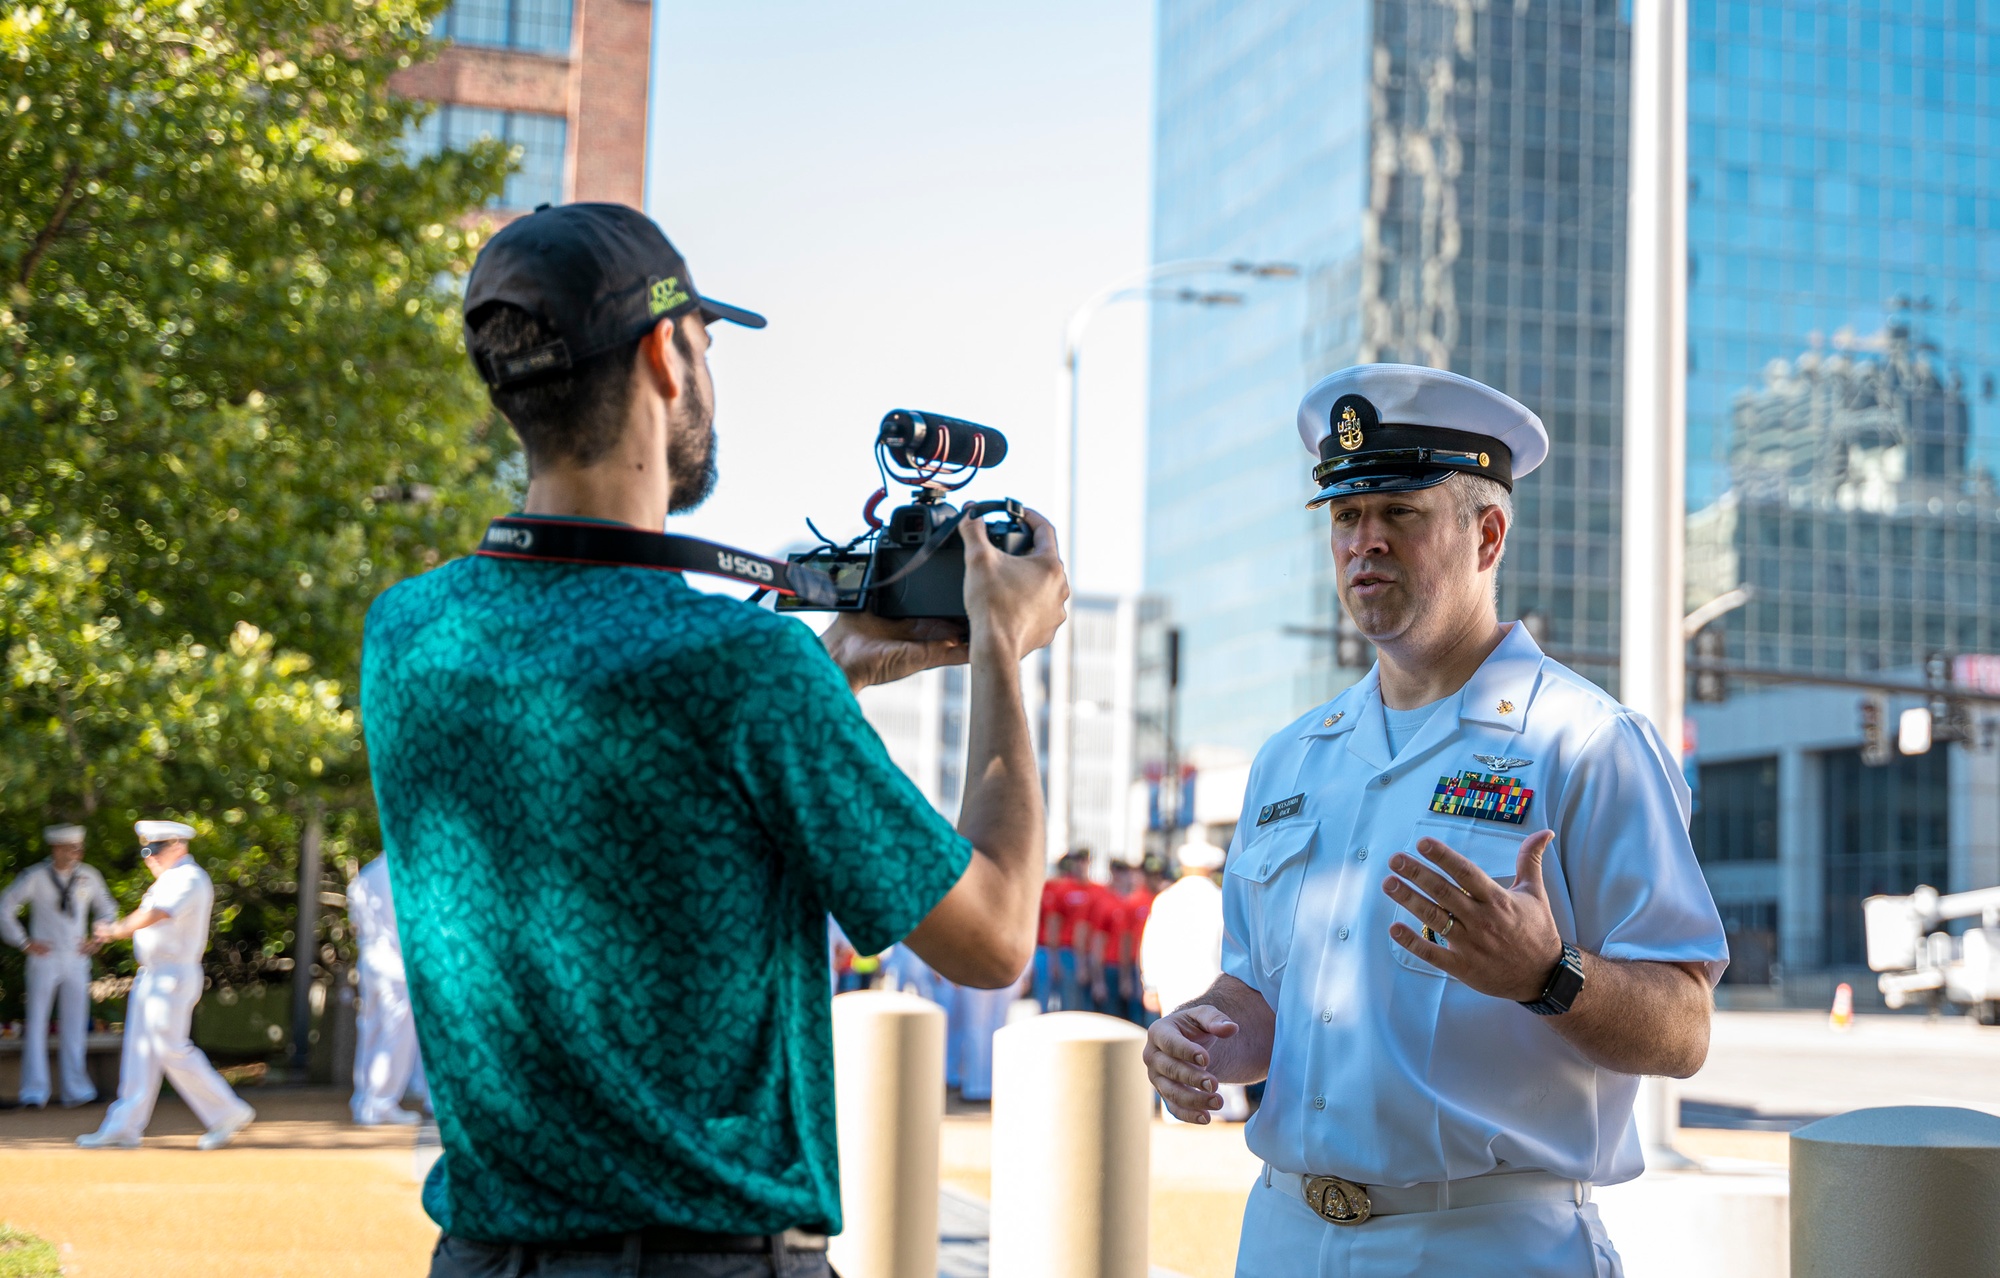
x=1062 y=655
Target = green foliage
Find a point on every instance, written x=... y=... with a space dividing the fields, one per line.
x=22 y=1255
x=234 y=407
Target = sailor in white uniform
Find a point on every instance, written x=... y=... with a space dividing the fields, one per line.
x=387 y=1065
x=62 y=894
x=169 y=932
x=1463 y=915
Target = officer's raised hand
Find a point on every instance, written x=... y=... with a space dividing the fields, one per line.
x=1499 y=940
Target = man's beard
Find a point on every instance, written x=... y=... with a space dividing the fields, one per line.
x=691 y=455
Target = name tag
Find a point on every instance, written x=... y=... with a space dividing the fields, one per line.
x=1280 y=810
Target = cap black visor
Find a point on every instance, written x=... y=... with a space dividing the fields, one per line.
x=712 y=310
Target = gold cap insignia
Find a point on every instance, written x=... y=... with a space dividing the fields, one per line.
x=1349 y=427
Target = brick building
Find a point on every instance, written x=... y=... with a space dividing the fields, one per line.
x=564 y=80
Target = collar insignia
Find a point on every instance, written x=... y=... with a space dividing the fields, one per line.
x=1501 y=763
x=1505 y=707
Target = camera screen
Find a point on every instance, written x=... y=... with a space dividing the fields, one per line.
x=849 y=572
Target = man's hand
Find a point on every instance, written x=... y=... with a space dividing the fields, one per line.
x=38 y=947
x=1177 y=1060
x=1501 y=941
x=106 y=932
x=871 y=649
x=91 y=946
x=1013 y=602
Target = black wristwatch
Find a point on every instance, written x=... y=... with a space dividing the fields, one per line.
x=1565 y=983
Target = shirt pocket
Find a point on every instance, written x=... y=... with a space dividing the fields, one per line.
x=1269 y=871
x=1496 y=852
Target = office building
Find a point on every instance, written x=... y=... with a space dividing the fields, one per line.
x=1451 y=180
x=563 y=80
x=1844 y=336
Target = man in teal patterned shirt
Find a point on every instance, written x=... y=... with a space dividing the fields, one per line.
x=619 y=811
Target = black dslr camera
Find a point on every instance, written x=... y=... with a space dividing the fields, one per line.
x=913 y=565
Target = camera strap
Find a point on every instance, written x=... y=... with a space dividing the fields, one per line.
x=564 y=541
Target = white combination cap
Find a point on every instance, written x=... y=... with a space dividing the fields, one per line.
x=63 y=834
x=1199 y=854
x=162 y=831
x=1392 y=428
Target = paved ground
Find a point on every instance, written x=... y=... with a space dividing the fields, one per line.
x=305 y=1193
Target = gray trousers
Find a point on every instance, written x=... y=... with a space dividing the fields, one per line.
x=463 y=1258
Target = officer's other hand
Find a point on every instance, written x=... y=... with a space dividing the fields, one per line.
x=1177 y=1060
x=871 y=649
x=91 y=946
x=1015 y=601
x=38 y=947
x=1504 y=940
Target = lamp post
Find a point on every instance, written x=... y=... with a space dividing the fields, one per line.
x=1062 y=653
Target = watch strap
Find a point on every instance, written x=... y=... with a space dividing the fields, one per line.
x=1565 y=983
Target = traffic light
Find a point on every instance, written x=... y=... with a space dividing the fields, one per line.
x=1711 y=645
x=1875 y=730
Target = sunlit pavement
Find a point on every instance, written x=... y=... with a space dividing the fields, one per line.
x=305 y=1193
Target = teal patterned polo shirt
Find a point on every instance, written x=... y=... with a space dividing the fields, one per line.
x=618 y=812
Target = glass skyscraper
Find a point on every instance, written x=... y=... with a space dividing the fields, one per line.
x=1451 y=179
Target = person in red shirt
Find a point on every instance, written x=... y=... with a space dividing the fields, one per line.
x=1066 y=933
x=1119 y=921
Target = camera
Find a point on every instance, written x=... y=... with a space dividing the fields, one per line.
x=913 y=564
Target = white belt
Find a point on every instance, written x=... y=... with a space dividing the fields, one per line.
x=1343 y=1202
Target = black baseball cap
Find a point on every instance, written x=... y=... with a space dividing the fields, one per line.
x=599 y=275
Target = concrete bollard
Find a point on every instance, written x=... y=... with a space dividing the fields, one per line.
x=1072 y=1144
x=888 y=1053
x=1887 y=1193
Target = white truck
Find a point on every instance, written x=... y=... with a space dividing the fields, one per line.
x=1918 y=958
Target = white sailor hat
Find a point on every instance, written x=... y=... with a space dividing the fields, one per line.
x=1199 y=854
x=1391 y=428
x=162 y=831
x=63 y=834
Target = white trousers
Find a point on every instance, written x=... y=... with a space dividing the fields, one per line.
x=63 y=981
x=157 y=1016
x=386 y=1062
x=1282 y=1238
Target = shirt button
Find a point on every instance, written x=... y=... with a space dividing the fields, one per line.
x=1327 y=1015
x=1362 y=855
x=1343 y=934
x=1319 y=1102
x=1384 y=781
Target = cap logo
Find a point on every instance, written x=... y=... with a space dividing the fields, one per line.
x=1349 y=427
x=665 y=295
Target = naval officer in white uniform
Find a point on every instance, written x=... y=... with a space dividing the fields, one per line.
x=1463 y=915
x=62 y=894
x=169 y=932
x=387 y=1064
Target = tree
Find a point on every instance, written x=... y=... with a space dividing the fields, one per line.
x=234 y=407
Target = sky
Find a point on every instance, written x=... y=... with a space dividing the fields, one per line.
x=917 y=195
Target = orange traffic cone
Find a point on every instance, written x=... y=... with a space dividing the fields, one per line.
x=1842 y=1017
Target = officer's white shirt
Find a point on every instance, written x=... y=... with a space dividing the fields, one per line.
x=372 y=909
x=1384 y=1070
x=187 y=896
x=38 y=888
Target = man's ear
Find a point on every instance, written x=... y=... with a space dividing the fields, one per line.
x=663 y=362
x=1492 y=536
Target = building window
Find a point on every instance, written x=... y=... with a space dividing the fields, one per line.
x=540 y=141
x=1752 y=931
x=1736 y=813
x=1887 y=832
x=537 y=26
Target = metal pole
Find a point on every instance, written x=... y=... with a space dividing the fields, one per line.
x=306 y=943
x=1652 y=663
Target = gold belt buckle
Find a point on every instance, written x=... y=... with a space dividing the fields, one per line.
x=1340 y=1201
